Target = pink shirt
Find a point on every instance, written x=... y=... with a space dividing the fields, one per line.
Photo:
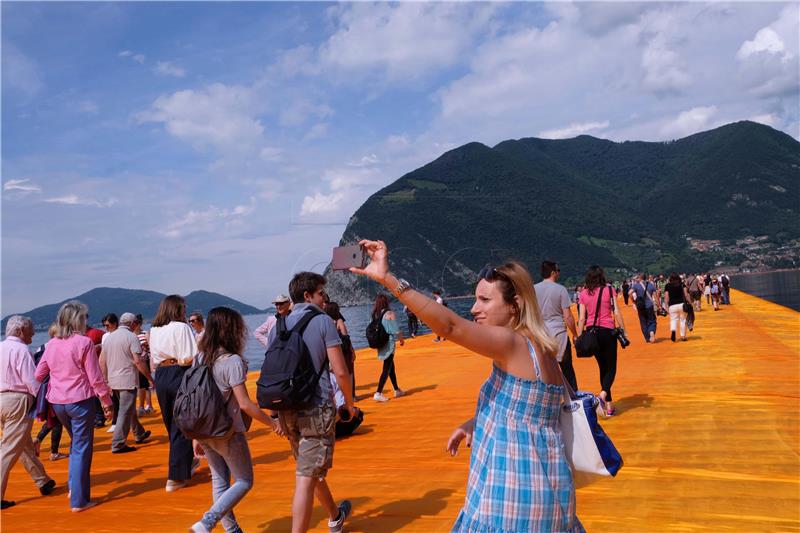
x=16 y=367
x=589 y=300
x=74 y=371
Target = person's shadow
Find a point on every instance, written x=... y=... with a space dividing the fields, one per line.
x=633 y=402
x=396 y=515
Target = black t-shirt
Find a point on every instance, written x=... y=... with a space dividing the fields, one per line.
x=675 y=291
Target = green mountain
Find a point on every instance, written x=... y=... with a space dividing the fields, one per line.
x=104 y=300
x=688 y=204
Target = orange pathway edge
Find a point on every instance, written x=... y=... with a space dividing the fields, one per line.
x=708 y=430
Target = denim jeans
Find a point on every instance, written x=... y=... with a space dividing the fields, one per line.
x=78 y=419
x=225 y=458
x=647 y=321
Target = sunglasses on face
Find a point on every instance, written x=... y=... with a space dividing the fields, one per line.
x=193 y=320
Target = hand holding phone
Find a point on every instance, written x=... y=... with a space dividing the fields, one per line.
x=345 y=257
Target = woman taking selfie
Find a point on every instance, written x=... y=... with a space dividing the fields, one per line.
x=519 y=478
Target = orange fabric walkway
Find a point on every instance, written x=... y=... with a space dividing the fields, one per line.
x=708 y=430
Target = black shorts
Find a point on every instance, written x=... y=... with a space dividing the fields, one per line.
x=143 y=383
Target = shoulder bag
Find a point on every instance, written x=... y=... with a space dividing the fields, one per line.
x=589 y=450
x=587 y=344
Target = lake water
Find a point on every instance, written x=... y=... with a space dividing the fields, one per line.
x=780 y=287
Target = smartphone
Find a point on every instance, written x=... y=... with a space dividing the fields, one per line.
x=345 y=257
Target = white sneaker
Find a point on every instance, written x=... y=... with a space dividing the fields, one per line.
x=378 y=397
x=111 y=429
x=399 y=392
x=172 y=485
x=345 y=508
x=199 y=527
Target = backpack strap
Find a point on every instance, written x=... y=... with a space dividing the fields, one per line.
x=301 y=325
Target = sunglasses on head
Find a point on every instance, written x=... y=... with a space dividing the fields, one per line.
x=490 y=273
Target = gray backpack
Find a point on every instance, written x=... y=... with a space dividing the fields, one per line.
x=200 y=411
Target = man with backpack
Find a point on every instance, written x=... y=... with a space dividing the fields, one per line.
x=310 y=428
x=642 y=292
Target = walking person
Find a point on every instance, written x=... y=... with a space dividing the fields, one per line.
x=172 y=350
x=716 y=289
x=332 y=310
x=695 y=285
x=412 y=324
x=386 y=353
x=643 y=292
x=145 y=393
x=221 y=346
x=555 y=306
x=75 y=379
x=626 y=287
x=311 y=431
x=18 y=390
x=121 y=362
x=675 y=297
x=283 y=306
x=725 y=281
x=605 y=315
x=51 y=425
x=518 y=407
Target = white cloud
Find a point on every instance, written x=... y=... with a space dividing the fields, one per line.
x=664 y=70
x=167 y=68
x=574 y=130
x=766 y=40
x=688 y=122
x=211 y=220
x=23 y=186
x=139 y=58
x=301 y=110
x=769 y=64
x=219 y=115
x=365 y=161
x=403 y=41
x=125 y=53
x=321 y=203
x=74 y=199
x=768 y=118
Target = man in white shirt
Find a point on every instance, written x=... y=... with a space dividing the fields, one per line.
x=283 y=306
x=18 y=390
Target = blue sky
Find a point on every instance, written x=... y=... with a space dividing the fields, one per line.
x=179 y=146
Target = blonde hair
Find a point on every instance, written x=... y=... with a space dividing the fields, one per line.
x=71 y=319
x=515 y=280
x=52 y=330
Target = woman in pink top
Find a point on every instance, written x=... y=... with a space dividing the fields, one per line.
x=601 y=318
x=75 y=379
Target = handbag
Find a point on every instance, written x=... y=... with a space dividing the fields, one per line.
x=588 y=449
x=587 y=344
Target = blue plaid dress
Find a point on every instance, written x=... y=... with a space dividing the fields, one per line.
x=519 y=478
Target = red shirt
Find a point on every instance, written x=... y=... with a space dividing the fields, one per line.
x=95 y=334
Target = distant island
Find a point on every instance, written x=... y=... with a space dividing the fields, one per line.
x=719 y=199
x=104 y=300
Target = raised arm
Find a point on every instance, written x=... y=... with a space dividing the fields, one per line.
x=495 y=342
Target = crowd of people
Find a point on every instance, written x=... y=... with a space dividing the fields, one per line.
x=84 y=377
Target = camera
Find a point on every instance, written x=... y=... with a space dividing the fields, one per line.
x=623 y=340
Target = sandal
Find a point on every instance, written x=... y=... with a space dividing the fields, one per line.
x=601 y=405
x=610 y=412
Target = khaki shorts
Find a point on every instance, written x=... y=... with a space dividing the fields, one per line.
x=311 y=435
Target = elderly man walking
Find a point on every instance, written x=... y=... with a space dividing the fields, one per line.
x=18 y=389
x=121 y=361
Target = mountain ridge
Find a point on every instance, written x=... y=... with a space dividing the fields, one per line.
x=118 y=300
x=629 y=206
